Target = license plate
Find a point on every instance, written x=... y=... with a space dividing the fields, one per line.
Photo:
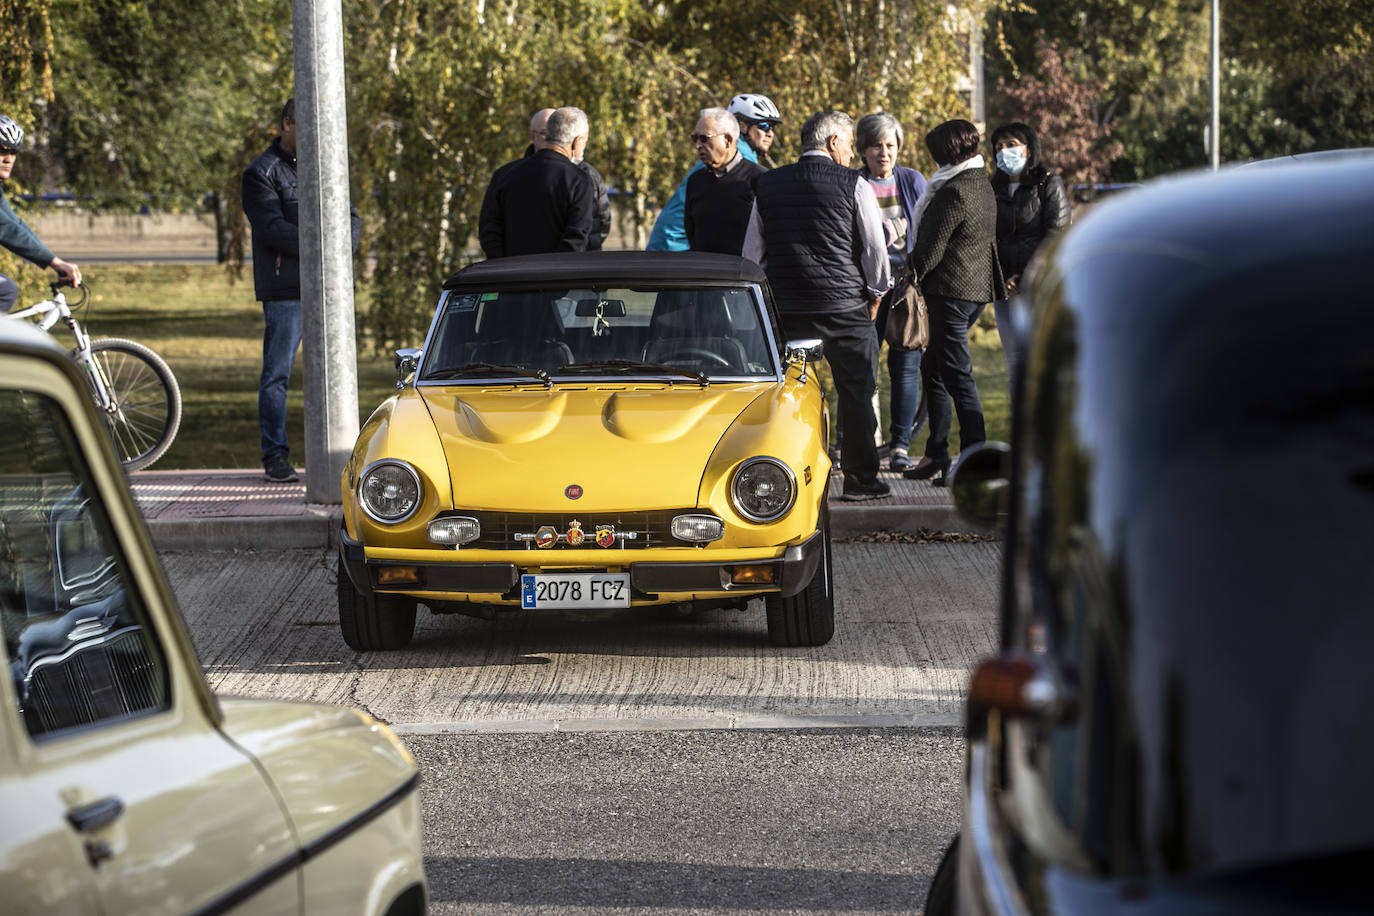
x=575 y=590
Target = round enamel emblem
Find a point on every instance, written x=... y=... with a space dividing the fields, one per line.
x=573 y=491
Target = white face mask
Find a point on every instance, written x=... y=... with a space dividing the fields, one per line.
x=1011 y=160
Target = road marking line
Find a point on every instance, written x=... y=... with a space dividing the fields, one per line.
x=657 y=724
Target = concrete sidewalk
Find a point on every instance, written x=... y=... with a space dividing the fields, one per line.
x=238 y=509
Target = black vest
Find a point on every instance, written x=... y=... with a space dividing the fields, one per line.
x=811 y=246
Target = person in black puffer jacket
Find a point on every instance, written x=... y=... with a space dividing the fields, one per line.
x=1032 y=205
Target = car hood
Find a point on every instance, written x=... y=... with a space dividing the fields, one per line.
x=328 y=763
x=625 y=445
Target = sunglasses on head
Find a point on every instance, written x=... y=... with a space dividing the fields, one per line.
x=765 y=126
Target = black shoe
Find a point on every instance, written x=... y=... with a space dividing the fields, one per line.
x=927 y=468
x=856 y=491
x=278 y=469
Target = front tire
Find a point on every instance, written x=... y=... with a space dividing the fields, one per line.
x=371 y=622
x=940 y=899
x=146 y=410
x=808 y=617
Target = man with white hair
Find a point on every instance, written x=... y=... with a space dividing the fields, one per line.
x=720 y=195
x=818 y=233
x=546 y=202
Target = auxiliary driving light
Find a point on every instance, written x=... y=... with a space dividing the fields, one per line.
x=457 y=531
x=698 y=528
x=751 y=575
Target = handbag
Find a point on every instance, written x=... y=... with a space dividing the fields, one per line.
x=908 y=322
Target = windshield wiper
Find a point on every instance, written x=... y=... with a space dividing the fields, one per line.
x=626 y=365
x=473 y=368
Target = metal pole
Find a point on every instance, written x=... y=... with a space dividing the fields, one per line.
x=1214 y=135
x=326 y=247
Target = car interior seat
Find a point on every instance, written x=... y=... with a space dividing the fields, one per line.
x=692 y=328
x=520 y=329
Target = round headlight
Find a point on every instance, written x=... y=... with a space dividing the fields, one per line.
x=389 y=491
x=763 y=489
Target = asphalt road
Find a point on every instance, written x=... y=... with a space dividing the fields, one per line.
x=634 y=762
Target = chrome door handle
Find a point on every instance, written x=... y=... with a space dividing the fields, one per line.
x=97 y=814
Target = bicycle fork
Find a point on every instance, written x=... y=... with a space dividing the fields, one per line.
x=95 y=371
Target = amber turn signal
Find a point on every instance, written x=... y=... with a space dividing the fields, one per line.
x=1018 y=685
x=751 y=575
x=398 y=575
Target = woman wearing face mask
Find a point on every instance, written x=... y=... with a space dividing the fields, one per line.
x=1031 y=206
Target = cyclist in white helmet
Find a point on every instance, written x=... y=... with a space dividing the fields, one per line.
x=14 y=233
x=757 y=117
x=670 y=231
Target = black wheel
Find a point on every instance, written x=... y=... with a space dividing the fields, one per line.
x=941 y=896
x=370 y=622
x=144 y=412
x=808 y=617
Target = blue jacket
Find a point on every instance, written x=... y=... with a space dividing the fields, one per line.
x=271 y=203
x=670 y=229
x=18 y=237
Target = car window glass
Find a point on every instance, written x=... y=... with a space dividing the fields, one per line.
x=76 y=640
x=715 y=331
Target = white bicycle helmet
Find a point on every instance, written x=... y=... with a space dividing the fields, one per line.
x=754 y=107
x=11 y=134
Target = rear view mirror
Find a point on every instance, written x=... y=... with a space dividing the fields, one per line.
x=981 y=482
x=407 y=361
x=809 y=350
x=608 y=308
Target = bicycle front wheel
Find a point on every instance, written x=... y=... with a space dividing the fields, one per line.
x=144 y=410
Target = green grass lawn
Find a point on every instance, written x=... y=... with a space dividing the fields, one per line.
x=210 y=332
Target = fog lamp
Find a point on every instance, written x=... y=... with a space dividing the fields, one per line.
x=398 y=575
x=698 y=528
x=456 y=531
x=751 y=575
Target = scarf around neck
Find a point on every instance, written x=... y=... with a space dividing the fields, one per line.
x=943 y=174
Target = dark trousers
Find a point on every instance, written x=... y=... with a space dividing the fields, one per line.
x=851 y=349
x=947 y=371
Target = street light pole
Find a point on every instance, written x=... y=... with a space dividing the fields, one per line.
x=1214 y=135
x=326 y=247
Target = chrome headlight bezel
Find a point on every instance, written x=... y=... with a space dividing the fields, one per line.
x=366 y=475
x=757 y=517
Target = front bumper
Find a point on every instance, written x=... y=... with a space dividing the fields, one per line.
x=650 y=581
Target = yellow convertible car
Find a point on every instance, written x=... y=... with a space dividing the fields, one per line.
x=593 y=431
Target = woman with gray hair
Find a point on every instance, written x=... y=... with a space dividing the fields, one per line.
x=898 y=188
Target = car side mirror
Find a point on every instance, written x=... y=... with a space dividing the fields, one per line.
x=407 y=361
x=810 y=350
x=981 y=483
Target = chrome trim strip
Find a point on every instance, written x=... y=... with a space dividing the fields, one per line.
x=228 y=901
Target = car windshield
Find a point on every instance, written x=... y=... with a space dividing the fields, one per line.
x=697 y=334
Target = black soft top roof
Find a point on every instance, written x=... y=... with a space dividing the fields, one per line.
x=603 y=268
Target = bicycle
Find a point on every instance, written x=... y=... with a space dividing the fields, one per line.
x=133 y=387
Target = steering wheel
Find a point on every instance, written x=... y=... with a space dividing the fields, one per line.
x=699 y=353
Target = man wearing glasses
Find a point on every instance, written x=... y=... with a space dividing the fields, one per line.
x=670 y=231
x=719 y=196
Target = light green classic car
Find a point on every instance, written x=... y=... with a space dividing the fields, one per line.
x=125 y=784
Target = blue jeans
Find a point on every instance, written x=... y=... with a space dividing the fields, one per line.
x=904 y=377
x=280 y=340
